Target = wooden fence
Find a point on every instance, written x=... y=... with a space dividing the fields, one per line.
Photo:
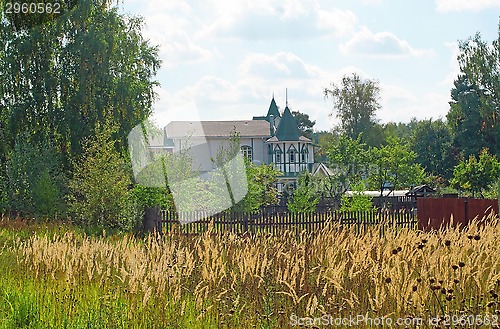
x=276 y=223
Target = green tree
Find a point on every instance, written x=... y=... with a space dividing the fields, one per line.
x=471 y=130
x=394 y=165
x=349 y=159
x=262 y=190
x=481 y=63
x=355 y=103
x=304 y=123
x=61 y=77
x=303 y=198
x=432 y=143
x=99 y=189
x=476 y=175
x=477 y=105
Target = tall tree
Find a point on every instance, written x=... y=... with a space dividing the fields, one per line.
x=63 y=76
x=355 y=103
x=472 y=130
x=349 y=160
x=480 y=63
x=432 y=143
x=304 y=124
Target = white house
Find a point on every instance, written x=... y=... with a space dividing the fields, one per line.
x=274 y=138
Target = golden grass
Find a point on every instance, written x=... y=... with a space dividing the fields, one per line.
x=263 y=280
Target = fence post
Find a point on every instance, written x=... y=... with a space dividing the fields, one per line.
x=245 y=216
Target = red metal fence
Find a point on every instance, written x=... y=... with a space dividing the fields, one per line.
x=436 y=212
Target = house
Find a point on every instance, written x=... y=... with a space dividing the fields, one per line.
x=273 y=138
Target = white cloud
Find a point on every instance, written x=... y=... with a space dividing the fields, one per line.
x=400 y=105
x=382 y=44
x=169 y=25
x=278 y=66
x=266 y=19
x=465 y=5
x=454 y=66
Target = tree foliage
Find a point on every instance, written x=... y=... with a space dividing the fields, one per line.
x=61 y=78
x=475 y=110
x=358 y=201
x=475 y=175
x=394 y=165
x=431 y=141
x=34 y=184
x=303 y=198
x=355 y=103
x=304 y=123
x=349 y=159
x=99 y=189
x=472 y=131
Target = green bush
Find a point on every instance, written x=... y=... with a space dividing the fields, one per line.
x=99 y=189
x=34 y=184
x=304 y=199
x=359 y=201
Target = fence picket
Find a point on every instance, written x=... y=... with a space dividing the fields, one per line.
x=276 y=223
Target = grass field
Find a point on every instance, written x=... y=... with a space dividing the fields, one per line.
x=53 y=276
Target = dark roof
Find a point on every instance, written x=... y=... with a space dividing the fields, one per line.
x=273 y=110
x=246 y=128
x=421 y=190
x=287 y=128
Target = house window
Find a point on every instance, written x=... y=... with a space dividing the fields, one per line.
x=278 y=156
x=247 y=152
x=304 y=154
x=292 y=156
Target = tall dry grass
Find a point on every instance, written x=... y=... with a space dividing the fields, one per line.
x=233 y=281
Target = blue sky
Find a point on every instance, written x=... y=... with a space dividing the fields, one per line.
x=224 y=59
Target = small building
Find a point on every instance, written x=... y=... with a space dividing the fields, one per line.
x=273 y=138
x=421 y=191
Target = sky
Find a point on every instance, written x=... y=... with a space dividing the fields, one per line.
x=225 y=59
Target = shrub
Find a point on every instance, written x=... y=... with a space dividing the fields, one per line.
x=359 y=201
x=99 y=195
x=34 y=181
x=303 y=198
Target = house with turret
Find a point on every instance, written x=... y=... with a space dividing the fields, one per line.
x=274 y=138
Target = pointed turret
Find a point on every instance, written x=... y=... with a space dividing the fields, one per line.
x=287 y=128
x=273 y=110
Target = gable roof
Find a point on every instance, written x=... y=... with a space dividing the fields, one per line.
x=246 y=128
x=287 y=128
x=321 y=169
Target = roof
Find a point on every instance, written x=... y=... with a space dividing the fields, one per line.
x=273 y=109
x=421 y=190
x=246 y=128
x=287 y=128
x=321 y=169
x=377 y=193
